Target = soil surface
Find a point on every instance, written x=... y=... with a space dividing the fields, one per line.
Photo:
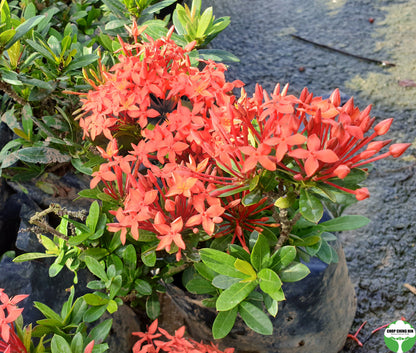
x=381 y=256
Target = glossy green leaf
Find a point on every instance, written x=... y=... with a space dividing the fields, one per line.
x=94 y=299
x=344 y=223
x=148 y=257
x=60 y=345
x=101 y=331
x=142 y=287
x=218 y=55
x=96 y=268
x=223 y=323
x=77 y=343
x=234 y=295
x=204 y=22
x=255 y=318
x=271 y=305
x=261 y=253
x=23 y=29
x=43 y=155
x=199 y=285
x=246 y=268
x=252 y=198
x=237 y=251
x=47 y=311
x=31 y=256
x=157 y=6
x=310 y=206
x=81 y=62
x=325 y=253
x=205 y=271
x=270 y=283
x=295 y=272
x=220 y=262
x=152 y=307
x=94 y=313
x=6 y=36
x=224 y=282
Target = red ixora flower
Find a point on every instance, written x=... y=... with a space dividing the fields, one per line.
x=9 y=312
x=157 y=339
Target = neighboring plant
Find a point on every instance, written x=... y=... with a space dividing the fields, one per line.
x=150 y=341
x=57 y=333
x=229 y=191
x=43 y=51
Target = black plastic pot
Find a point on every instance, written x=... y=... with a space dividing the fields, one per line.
x=315 y=317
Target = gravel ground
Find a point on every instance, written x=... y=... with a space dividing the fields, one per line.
x=381 y=257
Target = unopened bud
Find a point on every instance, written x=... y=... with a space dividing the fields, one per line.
x=382 y=127
x=398 y=149
x=362 y=194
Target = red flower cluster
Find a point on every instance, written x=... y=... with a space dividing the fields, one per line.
x=9 y=312
x=210 y=144
x=149 y=342
x=152 y=79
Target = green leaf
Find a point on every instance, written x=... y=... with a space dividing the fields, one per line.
x=148 y=256
x=252 y=198
x=271 y=305
x=246 y=268
x=94 y=313
x=325 y=253
x=238 y=252
x=294 y=272
x=261 y=253
x=94 y=299
x=77 y=343
x=224 y=282
x=255 y=318
x=24 y=28
x=142 y=287
x=152 y=307
x=93 y=216
x=270 y=283
x=43 y=155
x=43 y=50
x=60 y=345
x=344 y=223
x=223 y=323
x=79 y=165
x=31 y=256
x=100 y=332
x=157 y=7
x=234 y=295
x=200 y=285
x=47 y=311
x=81 y=62
x=204 y=22
x=310 y=206
x=96 y=268
x=6 y=36
x=218 y=55
x=220 y=262
x=205 y=271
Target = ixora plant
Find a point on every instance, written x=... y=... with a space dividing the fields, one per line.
x=227 y=191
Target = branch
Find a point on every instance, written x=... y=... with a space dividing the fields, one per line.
x=6 y=88
x=375 y=61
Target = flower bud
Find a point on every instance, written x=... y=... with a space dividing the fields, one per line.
x=398 y=149
x=383 y=126
x=362 y=194
x=342 y=171
x=335 y=98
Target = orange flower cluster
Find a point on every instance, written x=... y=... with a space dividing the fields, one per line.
x=9 y=312
x=150 y=342
x=208 y=144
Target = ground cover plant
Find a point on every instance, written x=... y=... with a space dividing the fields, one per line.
x=191 y=179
